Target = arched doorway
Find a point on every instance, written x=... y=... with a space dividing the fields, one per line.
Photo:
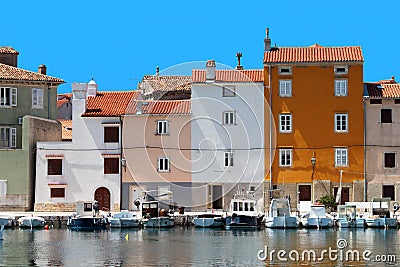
x=102 y=195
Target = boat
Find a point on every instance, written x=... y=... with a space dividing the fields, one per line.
x=279 y=215
x=379 y=214
x=31 y=222
x=124 y=219
x=153 y=216
x=7 y=220
x=317 y=218
x=209 y=220
x=347 y=217
x=87 y=217
x=243 y=212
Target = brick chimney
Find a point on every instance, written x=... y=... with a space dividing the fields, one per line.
x=210 y=70
x=42 y=69
x=267 y=41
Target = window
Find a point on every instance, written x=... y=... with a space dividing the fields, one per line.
x=388 y=191
x=54 y=166
x=341 y=70
x=285 y=70
x=285 y=123
x=111 y=165
x=162 y=127
x=397 y=101
x=375 y=101
x=341 y=87
x=285 y=88
x=390 y=160
x=37 y=98
x=228 y=158
x=228 y=91
x=285 y=157
x=341 y=122
x=8 y=96
x=163 y=165
x=3 y=188
x=8 y=137
x=57 y=192
x=229 y=117
x=111 y=134
x=386 y=116
x=341 y=157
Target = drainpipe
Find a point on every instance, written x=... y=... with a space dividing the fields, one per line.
x=270 y=130
x=48 y=102
x=121 y=167
x=365 y=151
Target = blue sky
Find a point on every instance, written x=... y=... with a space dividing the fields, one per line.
x=120 y=41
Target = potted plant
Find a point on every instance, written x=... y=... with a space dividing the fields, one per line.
x=329 y=202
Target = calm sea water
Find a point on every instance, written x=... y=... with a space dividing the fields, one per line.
x=190 y=247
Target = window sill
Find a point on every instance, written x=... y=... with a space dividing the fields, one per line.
x=163 y=171
x=111 y=173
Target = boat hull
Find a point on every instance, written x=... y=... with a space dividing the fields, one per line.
x=129 y=222
x=281 y=222
x=31 y=222
x=317 y=222
x=357 y=223
x=209 y=222
x=381 y=222
x=87 y=223
x=242 y=222
x=159 y=222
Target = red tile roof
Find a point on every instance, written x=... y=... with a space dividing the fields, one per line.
x=199 y=76
x=161 y=107
x=314 y=53
x=62 y=102
x=8 y=50
x=12 y=73
x=66 y=129
x=109 y=104
x=168 y=83
x=383 y=90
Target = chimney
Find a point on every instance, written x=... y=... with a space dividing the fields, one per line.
x=139 y=102
x=267 y=41
x=239 y=67
x=79 y=91
x=42 y=69
x=92 y=88
x=210 y=70
x=157 y=70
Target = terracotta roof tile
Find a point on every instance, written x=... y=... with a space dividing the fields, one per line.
x=12 y=73
x=8 y=50
x=66 y=129
x=168 y=83
x=62 y=102
x=230 y=76
x=109 y=104
x=161 y=107
x=315 y=53
x=383 y=90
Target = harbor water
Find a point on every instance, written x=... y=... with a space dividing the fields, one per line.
x=181 y=246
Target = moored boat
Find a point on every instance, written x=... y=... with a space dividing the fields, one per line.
x=153 y=216
x=31 y=222
x=87 y=217
x=279 y=215
x=316 y=218
x=208 y=220
x=379 y=214
x=7 y=220
x=124 y=219
x=347 y=217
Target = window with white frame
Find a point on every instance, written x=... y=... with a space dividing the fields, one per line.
x=341 y=87
x=228 y=158
x=163 y=165
x=341 y=122
x=228 y=91
x=341 y=157
x=8 y=97
x=285 y=70
x=285 y=157
x=8 y=137
x=341 y=69
x=162 y=127
x=229 y=117
x=37 y=98
x=3 y=188
x=285 y=123
x=285 y=88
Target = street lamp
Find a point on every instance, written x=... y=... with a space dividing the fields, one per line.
x=313 y=161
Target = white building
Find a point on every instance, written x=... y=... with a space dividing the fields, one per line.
x=227 y=132
x=89 y=166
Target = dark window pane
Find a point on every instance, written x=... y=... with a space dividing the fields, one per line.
x=390 y=160
x=397 y=101
x=111 y=134
x=388 y=191
x=386 y=116
x=375 y=101
x=111 y=165
x=57 y=192
x=54 y=167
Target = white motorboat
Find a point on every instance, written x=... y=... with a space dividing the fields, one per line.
x=31 y=222
x=379 y=214
x=279 y=215
x=7 y=220
x=87 y=217
x=124 y=219
x=347 y=217
x=153 y=216
x=317 y=218
x=208 y=220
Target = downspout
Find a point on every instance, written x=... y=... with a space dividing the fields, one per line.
x=270 y=130
x=121 y=165
x=48 y=102
x=365 y=150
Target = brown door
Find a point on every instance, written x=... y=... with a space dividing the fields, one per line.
x=345 y=197
x=102 y=195
x=304 y=192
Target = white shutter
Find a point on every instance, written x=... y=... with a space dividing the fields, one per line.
x=40 y=98
x=281 y=88
x=13 y=137
x=34 y=98
x=14 y=97
x=3 y=188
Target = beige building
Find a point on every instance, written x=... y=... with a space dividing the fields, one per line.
x=382 y=132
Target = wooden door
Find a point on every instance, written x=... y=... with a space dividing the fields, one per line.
x=305 y=192
x=102 y=195
x=345 y=195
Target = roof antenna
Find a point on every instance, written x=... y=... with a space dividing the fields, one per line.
x=239 y=55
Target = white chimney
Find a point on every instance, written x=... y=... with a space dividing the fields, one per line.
x=139 y=104
x=79 y=91
x=92 y=88
x=210 y=70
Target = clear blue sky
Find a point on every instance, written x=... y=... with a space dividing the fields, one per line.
x=117 y=42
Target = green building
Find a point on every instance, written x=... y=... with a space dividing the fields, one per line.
x=28 y=113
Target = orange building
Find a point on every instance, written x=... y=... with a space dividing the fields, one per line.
x=317 y=122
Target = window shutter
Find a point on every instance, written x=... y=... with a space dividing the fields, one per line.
x=13 y=137
x=40 y=98
x=14 y=97
x=34 y=98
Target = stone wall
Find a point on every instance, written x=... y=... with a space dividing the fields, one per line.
x=55 y=207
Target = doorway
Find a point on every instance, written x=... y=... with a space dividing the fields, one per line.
x=305 y=192
x=102 y=195
x=216 y=196
x=345 y=196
